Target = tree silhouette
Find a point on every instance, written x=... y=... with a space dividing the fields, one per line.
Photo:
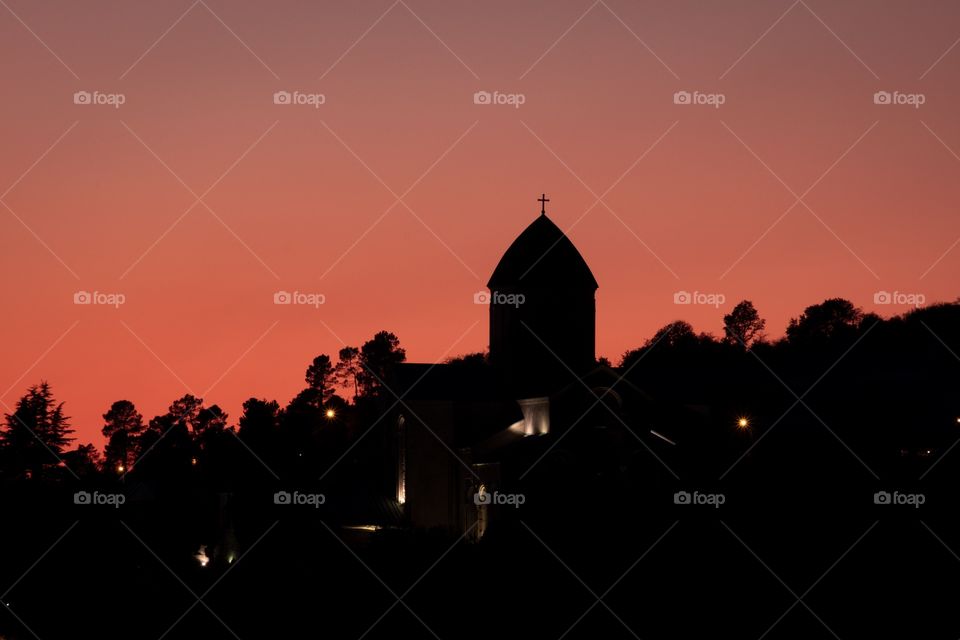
x=123 y=424
x=832 y=319
x=35 y=434
x=165 y=450
x=378 y=357
x=85 y=460
x=470 y=359
x=743 y=325
x=259 y=419
x=185 y=410
x=320 y=376
x=348 y=369
x=300 y=423
x=673 y=336
x=259 y=425
x=214 y=446
x=209 y=423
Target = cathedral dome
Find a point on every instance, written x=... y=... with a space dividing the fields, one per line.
x=542 y=257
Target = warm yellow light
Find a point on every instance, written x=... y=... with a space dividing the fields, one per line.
x=120 y=468
x=331 y=413
x=201 y=556
x=743 y=423
x=193 y=461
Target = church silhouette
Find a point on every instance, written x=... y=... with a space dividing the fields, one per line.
x=549 y=329
x=469 y=430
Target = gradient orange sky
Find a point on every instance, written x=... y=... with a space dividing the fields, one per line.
x=296 y=198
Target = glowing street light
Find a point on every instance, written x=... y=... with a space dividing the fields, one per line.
x=201 y=556
x=743 y=423
x=120 y=468
x=331 y=414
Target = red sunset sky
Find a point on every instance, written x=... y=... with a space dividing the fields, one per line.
x=659 y=197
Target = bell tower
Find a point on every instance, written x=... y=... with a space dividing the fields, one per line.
x=542 y=311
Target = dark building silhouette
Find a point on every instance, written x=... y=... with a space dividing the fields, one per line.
x=542 y=311
x=474 y=427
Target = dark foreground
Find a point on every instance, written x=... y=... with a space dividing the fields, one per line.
x=798 y=551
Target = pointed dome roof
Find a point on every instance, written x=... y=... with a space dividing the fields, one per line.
x=542 y=256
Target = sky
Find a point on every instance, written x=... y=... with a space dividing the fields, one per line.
x=187 y=160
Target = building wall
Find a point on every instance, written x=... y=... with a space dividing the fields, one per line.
x=528 y=341
x=434 y=488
